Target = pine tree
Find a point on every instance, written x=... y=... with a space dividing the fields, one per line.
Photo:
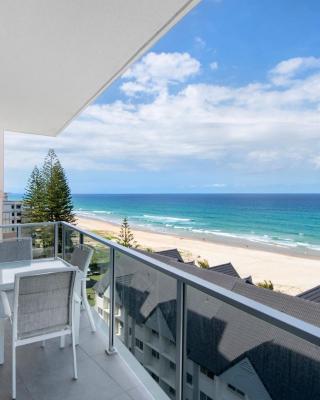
x=34 y=202
x=126 y=237
x=47 y=196
x=59 y=205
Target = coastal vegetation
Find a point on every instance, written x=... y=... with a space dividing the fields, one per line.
x=203 y=263
x=47 y=196
x=266 y=285
x=126 y=237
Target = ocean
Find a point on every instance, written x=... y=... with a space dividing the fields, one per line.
x=283 y=220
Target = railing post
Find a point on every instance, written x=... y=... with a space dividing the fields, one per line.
x=181 y=338
x=63 y=242
x=81 y=238
x=18 y=231
x=111 y=349
x=56 y=239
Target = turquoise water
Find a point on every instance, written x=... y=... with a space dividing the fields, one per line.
x=285 y=220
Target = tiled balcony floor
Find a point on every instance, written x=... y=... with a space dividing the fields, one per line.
x=46 y=373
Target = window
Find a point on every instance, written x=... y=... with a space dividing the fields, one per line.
x=19 y=214
x=207 y=372
x=139 y=344
x=12 y=214
x=204 y=396
x=154 y=376
x=236 y=390
x=155 y=333
x=189 y=379
x=155 y=354
x=12 y=207
x=119 y=327
x=172 y=365
x=18 y=206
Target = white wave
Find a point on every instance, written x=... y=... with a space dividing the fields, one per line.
x=165 y=218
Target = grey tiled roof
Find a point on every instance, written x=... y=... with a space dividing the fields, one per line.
x=218 y=335
x=172 y=253
x=227 y=269
x=311 y=294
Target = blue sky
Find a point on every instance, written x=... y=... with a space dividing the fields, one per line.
x=227 y=101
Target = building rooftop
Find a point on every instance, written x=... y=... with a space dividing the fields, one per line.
x=227 y=269
x=312 y=294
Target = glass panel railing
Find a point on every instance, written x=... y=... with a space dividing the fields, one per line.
x=70 y=238
x=233 y=355
x=97 y=280
x=8 y=232
x=42 y=236
x=98 y=277
x=146 y=318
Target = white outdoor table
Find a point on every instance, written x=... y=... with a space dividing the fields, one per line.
x=7 y=274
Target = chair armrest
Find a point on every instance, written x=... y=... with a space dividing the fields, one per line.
x=76 y=298
x=6 y=305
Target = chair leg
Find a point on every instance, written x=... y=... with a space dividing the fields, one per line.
x=14 y=372
x=87 y=306
x=75 y=367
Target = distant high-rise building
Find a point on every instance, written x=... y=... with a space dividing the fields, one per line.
x=11 y=211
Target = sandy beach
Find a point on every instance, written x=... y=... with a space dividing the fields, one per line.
x=290 y=274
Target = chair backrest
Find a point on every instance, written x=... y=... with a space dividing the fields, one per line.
x=43 y=302
x=81 y=257
x=19 y=249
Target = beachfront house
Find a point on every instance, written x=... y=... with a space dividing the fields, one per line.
x=227 y=351
x=161 y=328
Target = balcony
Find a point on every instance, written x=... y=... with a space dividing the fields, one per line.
x=179 y=332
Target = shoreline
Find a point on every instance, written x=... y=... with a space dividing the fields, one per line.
x=290 y=272
x=300 y=252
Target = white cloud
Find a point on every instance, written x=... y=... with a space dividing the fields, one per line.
x=316 y=161
x=237 y=127
x=200 y=42
x=214 y=65
x=283 y=72
x=215 y=185
x=155 y=71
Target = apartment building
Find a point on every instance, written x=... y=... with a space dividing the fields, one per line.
x=229 y=354
x=11 y=211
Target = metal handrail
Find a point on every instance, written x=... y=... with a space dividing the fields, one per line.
x=184 y=279
x=280 y=319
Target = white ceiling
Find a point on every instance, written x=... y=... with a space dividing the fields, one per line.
x=58 y=55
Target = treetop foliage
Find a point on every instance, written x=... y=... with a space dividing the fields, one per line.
x=47 y=196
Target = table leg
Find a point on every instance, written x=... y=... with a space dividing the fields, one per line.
x=2 y=322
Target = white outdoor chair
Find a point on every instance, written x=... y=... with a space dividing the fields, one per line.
x=18 y=249
x=81 y=258
x=43 y=308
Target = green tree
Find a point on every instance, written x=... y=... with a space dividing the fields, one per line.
x=266 y=285
x=204 y=264
x=59 y=205
x=126 y=237
x=34 y=199
x=47 y=196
